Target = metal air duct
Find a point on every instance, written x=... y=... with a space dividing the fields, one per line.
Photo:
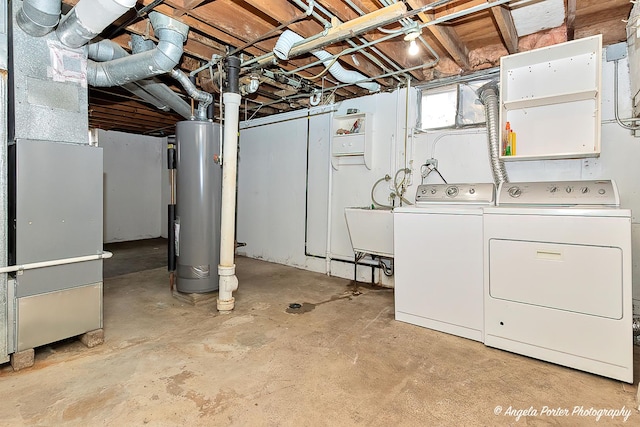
x=38 y=17
x=204 y=98
x=489 y=96
x=171 y=35
x=288 y=38
x=150 y=90
x=88 y=18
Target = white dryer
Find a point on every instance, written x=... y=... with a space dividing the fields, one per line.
x=438 y=258
x=557 y=275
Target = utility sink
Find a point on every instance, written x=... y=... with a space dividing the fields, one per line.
x=371 y=230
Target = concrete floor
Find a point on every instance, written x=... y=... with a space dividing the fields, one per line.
x=343 y=360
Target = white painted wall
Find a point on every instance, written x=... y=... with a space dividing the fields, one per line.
x=134 y=177
x=273 y=158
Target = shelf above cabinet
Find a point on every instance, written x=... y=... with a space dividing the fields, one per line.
x=351 y=140
x=551 y=99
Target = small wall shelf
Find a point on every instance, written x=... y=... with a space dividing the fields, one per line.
x=551 y=99
x=351 y=138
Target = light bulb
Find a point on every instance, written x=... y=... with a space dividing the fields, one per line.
x=413 y=48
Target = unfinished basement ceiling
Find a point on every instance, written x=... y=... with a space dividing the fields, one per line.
x=468 y=43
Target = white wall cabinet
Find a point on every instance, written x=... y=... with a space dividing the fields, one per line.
x=551 y=99
x=351 y=138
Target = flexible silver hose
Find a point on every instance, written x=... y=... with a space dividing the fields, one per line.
x=489 y=97
x=373 y=189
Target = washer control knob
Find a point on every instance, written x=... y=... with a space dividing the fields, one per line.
x=515 y=191
x=601 y=191
x=433 y=191
x=452 y=191
x=568 y=189
x=584 y=190
x=553 y=189
x=424 y=191
x=472 y=191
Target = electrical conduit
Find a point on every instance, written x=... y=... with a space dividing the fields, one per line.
x=288 y=38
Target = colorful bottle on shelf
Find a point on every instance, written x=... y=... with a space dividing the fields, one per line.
x=512 y=142
x=506 y=140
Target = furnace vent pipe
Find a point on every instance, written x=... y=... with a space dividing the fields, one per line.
x=228 y=282
x=88 y=18
x=171 y=35
x=489 y=96
x=39 y=17
x=150 y=90
x=204 y=99
x=288 y=38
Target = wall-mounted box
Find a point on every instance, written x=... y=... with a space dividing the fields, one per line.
x=351 y=138
x=551 y=99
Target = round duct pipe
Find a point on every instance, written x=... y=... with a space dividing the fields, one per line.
x=38 y=17
x=88 y=18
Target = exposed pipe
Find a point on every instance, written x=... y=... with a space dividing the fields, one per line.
x=39 y=17
x=288 y=39
x=171 y=35
x=89 y=18
x=204 y=98
x=150 y=90
x=616 y=111
x=369 y=56
x=63 y=261
x=228 y=282
x=489 y=97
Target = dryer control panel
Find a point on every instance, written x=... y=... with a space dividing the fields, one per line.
x=559 y=193
x=479 y=194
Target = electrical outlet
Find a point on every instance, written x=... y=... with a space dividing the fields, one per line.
x=431 y=163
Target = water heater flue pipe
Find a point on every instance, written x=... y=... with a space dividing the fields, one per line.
x=88 y=18
x=228 y=282
x=171 y=36
x=204 y=98
x=39 y=17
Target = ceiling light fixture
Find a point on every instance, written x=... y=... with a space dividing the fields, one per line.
x=411 y=37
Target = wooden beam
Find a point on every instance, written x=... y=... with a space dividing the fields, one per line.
x=446 y=36
x=187 y=6
x=571 y=19
x=507 y=28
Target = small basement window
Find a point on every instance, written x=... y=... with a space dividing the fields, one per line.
x=453 y=106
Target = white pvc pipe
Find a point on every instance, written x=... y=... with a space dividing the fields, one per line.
x=289 y=38
x=329 y=219
x=52 y=263
x=228 y=282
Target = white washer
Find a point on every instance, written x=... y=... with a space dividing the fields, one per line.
x=557 y=262
x=438 y=258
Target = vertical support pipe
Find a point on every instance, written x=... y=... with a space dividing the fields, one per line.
x=227 y=268
x=171 y=214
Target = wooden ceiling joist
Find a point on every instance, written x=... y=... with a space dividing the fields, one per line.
x=507 y=28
